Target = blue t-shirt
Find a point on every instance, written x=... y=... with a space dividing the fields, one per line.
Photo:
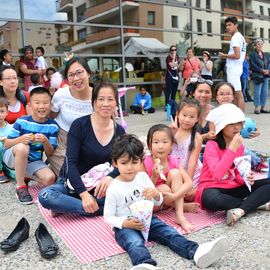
x=26 y=125
x=145 y=98
x=4 y=132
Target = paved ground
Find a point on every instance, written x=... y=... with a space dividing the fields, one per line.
x=249 y=239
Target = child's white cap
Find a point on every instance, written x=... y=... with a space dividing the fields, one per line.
x=227 y=114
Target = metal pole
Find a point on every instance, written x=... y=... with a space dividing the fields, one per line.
x=22 y=23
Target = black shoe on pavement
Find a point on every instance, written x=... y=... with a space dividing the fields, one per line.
x=18 y=235
x=47 y=247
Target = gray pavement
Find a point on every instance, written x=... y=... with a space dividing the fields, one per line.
x=249 y=239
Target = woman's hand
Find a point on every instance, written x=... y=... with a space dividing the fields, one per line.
x=101 y=188
x=133 y=223
x=210 y=135
x=236 y=142
x=89 y=203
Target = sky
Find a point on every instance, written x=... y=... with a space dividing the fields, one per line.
x=33 y=9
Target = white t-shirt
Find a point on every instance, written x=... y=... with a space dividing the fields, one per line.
x=69 y=108
x=237 y=41
x=120 y=195
x=41 y=63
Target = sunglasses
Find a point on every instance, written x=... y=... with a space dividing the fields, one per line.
x=202 y=80
x=173 y=50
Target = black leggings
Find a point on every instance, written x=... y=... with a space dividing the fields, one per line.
x=225 y=199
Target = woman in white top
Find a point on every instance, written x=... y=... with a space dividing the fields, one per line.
x=207 y=66
x=70 y=103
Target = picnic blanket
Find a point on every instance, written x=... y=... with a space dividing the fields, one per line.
x=91 y=239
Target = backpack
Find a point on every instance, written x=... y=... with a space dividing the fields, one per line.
x=173 y=105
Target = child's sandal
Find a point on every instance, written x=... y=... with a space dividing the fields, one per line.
x=265 y=207
x=233 y=215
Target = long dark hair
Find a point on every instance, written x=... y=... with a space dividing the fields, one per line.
x=220 y=140
x=191 y=102
x=2 y=92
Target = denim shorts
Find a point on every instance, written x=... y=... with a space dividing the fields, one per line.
x=31 y=168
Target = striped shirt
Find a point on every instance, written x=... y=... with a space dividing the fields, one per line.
x=26 y=125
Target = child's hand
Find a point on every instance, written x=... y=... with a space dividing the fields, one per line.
x=210 y=135
x=251 y=178
x=27 y=138
x=254 y=134
x=173 y=124
x=236 y=142
x=133 y=223
x=150 y=193
x=40 y=138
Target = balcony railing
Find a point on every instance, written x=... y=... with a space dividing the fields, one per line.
x=109 y=33
x=97 y=9
x=65 y=2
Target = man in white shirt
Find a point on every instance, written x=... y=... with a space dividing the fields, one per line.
x=235 y=59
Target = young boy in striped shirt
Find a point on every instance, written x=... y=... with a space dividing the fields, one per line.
x=31 y=136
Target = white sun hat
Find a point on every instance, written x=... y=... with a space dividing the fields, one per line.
x=226 y=114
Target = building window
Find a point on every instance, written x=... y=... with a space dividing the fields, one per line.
x=269 y=12
x=199 y=26
x=208 y=4
x=151 y=17
x=261 y=10
x=80 y=12
x=209 y=28
x=269 y=35
x=261 y=32
x=174 y=21
x=198 y=3
x=82 y=34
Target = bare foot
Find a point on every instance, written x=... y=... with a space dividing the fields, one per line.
x=191 y=207
x=187 y=226
x=169 y=198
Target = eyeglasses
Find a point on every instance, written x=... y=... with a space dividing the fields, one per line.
x=173 y=50
x=224 y=94
x=79 y=73
x=202 y=80
x=9 y=79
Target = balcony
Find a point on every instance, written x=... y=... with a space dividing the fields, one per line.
x=107 y=10
x=229 y=12
x=65 y=5
x=111 y=33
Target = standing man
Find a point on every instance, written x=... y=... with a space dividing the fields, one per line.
x=235 y=58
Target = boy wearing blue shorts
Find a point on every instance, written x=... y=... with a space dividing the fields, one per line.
x=31 y=136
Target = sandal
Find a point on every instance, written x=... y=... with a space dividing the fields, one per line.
x=265 y=207
x=233 y=215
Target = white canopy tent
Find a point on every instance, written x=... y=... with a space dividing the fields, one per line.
x=150 y=47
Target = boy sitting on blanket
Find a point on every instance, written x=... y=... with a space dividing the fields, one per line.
x=133 y=185
x=30 y=137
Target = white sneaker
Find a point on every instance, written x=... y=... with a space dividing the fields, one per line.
x=144 y=266
x=210 y=252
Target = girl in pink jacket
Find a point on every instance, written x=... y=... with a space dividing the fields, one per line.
x=221 y=185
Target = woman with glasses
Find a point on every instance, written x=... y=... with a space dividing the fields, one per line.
x=70 y=103
x=17 y=99
x=89 y=144
x=260 y=67
x=172 y=74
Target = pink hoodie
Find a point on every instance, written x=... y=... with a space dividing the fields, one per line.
x=218 y=170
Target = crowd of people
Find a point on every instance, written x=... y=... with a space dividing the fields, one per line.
x=92 y=167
